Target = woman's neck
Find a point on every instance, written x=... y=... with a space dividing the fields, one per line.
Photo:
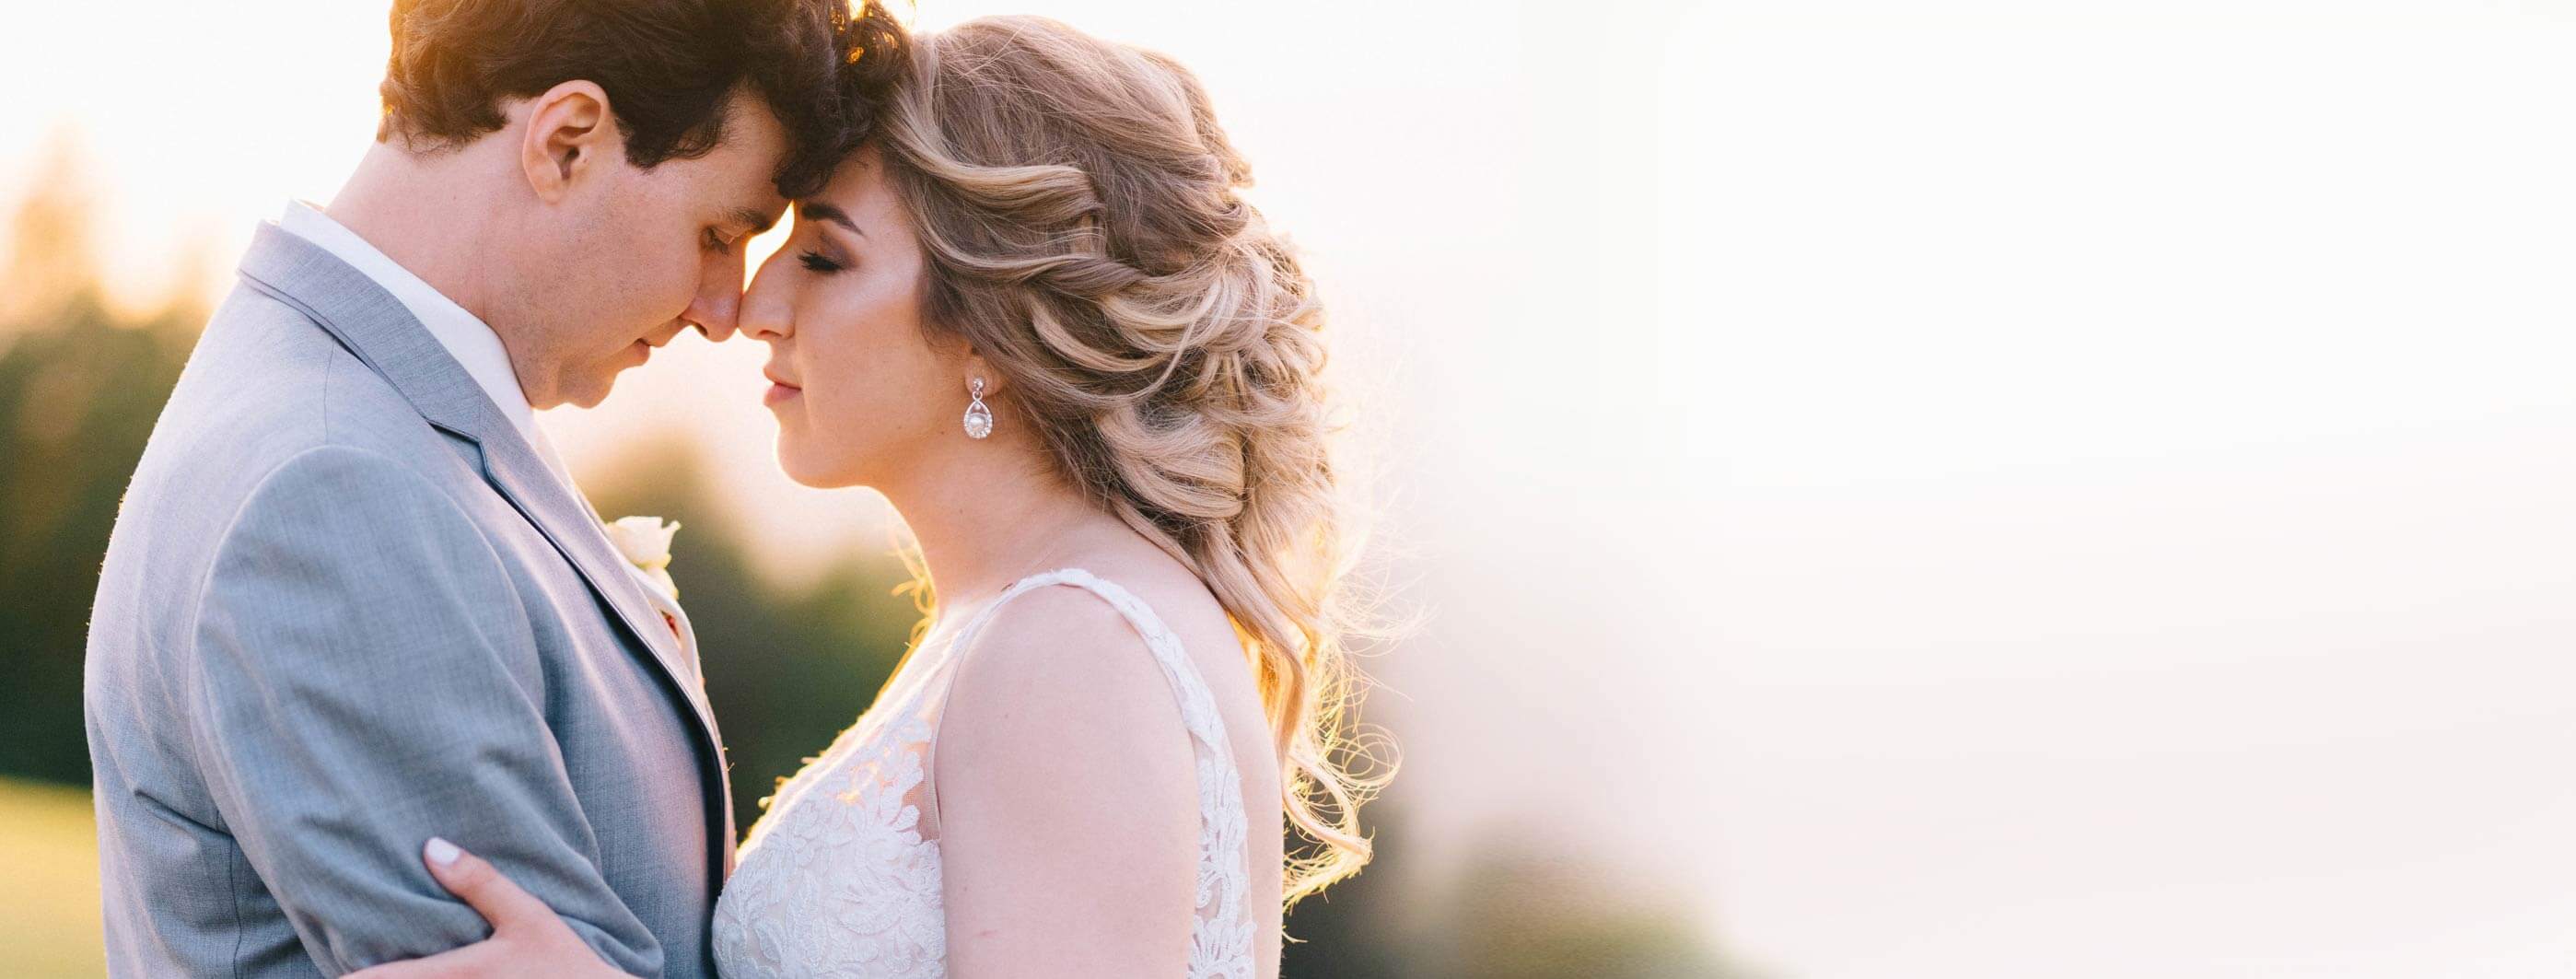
x=982 y=526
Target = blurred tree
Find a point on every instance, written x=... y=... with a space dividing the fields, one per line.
x=80 y=388
x=1519 y=908
x=1524 y=908
x=1353 y=930
x=51 y=256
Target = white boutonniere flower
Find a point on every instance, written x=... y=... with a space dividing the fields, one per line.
x=646 y=542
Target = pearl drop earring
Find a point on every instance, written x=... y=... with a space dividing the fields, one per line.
x=979 y=419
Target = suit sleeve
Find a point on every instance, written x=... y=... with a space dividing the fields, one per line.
x=369 y=679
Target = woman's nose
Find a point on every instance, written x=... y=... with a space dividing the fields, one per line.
x=763 y=312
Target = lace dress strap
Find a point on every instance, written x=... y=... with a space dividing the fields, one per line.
x=1222 y=941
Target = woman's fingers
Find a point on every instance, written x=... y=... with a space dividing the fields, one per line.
x=527 y=938
x=486 y=890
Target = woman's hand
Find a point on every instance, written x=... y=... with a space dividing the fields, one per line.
x=527 y=938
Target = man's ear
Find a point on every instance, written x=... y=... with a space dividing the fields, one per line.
x=571 y=134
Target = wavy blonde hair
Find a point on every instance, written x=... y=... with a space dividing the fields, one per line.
x=1083 y=223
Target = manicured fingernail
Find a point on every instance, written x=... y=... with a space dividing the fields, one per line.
x=443 y=853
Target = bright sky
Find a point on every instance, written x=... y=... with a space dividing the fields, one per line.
x=2043 y=489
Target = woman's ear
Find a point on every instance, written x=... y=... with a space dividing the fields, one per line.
x=974 y=367
x=571 y=134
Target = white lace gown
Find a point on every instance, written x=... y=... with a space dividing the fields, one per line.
x=841 y=876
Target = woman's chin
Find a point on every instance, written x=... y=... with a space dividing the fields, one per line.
x=804 y=468
x=789 y=461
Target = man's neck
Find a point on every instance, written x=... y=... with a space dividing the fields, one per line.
x=423 y=212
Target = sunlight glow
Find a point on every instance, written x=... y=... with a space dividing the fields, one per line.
x=2023 y=488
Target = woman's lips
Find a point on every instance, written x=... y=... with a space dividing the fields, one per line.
x=780 y=391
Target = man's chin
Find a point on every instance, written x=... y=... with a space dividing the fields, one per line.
x=588 y=392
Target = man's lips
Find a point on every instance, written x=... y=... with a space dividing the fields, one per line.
x=644 y=346
x=668 y=332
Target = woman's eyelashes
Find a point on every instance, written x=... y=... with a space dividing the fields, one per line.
x=815 y=262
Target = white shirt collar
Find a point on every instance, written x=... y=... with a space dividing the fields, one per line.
x=466 y=337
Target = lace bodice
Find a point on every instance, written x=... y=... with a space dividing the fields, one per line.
x=841 y=876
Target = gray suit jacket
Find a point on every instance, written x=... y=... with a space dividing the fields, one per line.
x=346 y=608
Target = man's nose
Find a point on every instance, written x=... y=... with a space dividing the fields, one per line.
x=719 y=301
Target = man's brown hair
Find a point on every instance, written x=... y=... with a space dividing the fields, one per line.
x=669 y=68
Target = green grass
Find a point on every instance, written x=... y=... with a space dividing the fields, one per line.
x=49 y=920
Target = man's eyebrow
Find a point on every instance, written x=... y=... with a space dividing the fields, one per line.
x=817 y=211
x=752 y=219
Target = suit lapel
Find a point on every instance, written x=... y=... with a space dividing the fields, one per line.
x=375 y=327
x=531 y=486
x=515 y=469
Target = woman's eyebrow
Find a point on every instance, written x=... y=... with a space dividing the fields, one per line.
x=817 y=211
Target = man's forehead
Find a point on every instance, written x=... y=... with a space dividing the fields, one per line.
x=752 y=128
x=738 y=177
x=752 y=153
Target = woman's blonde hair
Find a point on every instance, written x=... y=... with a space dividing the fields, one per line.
x=1082 y=218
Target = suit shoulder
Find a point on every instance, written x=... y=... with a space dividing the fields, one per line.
x=265 y=390
x=266 y=382
x=352 y=494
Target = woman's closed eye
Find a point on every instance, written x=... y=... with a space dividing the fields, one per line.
x=815 y=262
